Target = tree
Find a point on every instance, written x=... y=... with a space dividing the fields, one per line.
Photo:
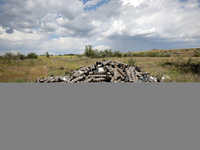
x=117 y=54
x=89 y=52
x=47 y=55
x=86 y=53
x=97 y=54
x=110 y=53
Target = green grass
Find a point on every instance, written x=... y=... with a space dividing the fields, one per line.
x=19 y=80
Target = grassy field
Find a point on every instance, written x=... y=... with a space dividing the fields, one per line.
x=180 y=69
x=187 y=52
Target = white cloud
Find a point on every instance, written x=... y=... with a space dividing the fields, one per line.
x=18 y=36
x=134 y=3
x=64 y=44
x=101 y=47
x=118 y=24
x=165 y=19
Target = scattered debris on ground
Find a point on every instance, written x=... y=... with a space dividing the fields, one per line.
x=105 y=71
x=166 y=78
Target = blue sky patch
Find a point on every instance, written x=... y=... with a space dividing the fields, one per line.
x=2 y=2
x=54 y=36
x=94 y=7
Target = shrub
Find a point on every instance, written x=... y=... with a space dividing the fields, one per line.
x=20 y=56
x=117 y=54
x=32 y=56
x=125 y=55
x=167 y=55
x=135 y=55
x=47 y=55
x=197 y=54
x=141 y=54
x=9 y=55
x=189 y=61
x=131 y=61
x=79 y=56
x=130 y=54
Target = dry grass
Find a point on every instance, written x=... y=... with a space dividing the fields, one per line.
x=30 y=70
x=187 y=52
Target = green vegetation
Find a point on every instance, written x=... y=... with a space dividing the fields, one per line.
x=151 y=54
x=184 y=66
x=197 y=53
x=21 y=68
x=47 y=55
x=89 y=52
x=131 y=61
x=32 y=56
x=10 y=56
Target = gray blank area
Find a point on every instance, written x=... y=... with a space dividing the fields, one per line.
x=163 y=116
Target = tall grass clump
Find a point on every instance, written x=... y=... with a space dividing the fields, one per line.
x=131 y=61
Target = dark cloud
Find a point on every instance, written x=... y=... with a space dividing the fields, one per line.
x=9 y=31
x=142 y=43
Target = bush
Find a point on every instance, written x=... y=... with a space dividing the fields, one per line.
x=32 y=56
x=9 y=55
x=125 y=55
x=167 y=55
x=117 y=54
x=134 y=55
x=47 y=55
x=79 y=56
x=141 y=54
x=20 y=56
x=197 y=54
x=152 y=54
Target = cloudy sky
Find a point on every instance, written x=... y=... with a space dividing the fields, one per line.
x=66 y=26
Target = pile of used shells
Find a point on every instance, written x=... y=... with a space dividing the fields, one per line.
x=105 y=71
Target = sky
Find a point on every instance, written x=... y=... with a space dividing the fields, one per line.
x=67 y=26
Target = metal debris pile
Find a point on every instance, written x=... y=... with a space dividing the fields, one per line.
x=105 y=71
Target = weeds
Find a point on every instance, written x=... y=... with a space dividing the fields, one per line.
x=131 y=61
x=185 y=66
x=19 y=80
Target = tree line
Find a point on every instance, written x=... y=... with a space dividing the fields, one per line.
x=89 y=52
x=19 y=56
